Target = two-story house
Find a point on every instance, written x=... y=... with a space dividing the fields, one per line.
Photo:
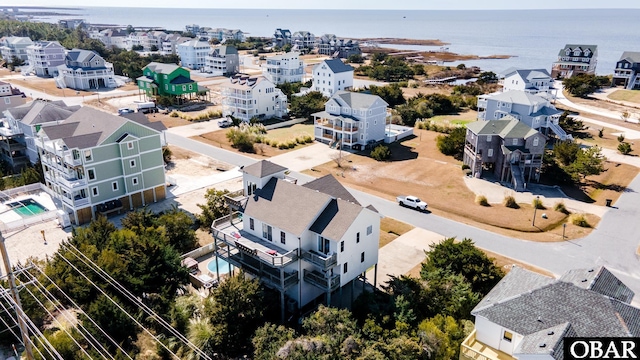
x=575 y=59
x=10 y=96
x=628 y=70
x=223 y=60
x=246 y=97
x=306 y=241
x=193 y=54
x=44 y=58
x=508 y=148
x=285 y=68
x=20 y=125
x=12 y=47
x=96 y=163
x=84 y=70
x=331 y=76
x=534 y=110
x=331 y=45
x=281 y=37
x=303 y=41
x=532 y=81
x=351 y=120
x=528 y=316
x=160 y=79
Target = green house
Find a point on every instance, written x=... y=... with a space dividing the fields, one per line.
x=166 y=80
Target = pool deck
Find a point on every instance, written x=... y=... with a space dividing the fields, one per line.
x=8 y=215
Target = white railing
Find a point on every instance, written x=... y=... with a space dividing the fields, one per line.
x=26 y=222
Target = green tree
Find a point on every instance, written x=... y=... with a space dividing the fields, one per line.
x=487 y=77
x=215 y=207
x=269 y=338
x=355 y=59
x=178 y=227
x=624 y=148
x=453 y=143
x=381 y=153
x=112 y=320
x=442 y=335
x=582 y=85
x=391 y=93
x=566 y=152
x=304 y=106
x=588 y=162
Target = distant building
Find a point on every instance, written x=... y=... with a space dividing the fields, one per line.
x=281 y=37
x=508 y=148
x=285 y=68
x=628 y=70
x=160 y=79
x=246 y=97
x=532 y=81
x=112 y=38
x=70 y=24
x=351 y=120
x=12 y=47
x=223 y=60
x=331 y=76
x=529 y=316
x=303 y=41
x=575 y=59
x=193 y=54
x=44 y=58
x=169 y=44
x=10 y=97
x=331 y=45
x=84 y=70
x=97 y=163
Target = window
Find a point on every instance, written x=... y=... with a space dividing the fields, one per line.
x=94 y=191
x=114 y=186
x=134 y=181
x=91 y=173
x=357 y=237
x=515 y=141
x=251 y=225
x=488 y=138
x=369 y=229
x=132 y=163
x=87 y=155
x=323 y=245
x=283 y=237
x=345 y=267
x=341 y=246
x=535 y=141
x=251 y=188
x=130 y=145
x=267 y=232
x=7 y=100
x=362 y=257
x=490 y=152
x=507 y=336
x=184 y=87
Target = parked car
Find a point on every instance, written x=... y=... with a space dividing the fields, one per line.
x=125 y=111
x=146 y=107
x=225 y=123
x=412 y=202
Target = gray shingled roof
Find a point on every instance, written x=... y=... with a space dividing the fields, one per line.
x=224 y=50
x=546 y=342
x=592 y=48
x=263 y=168
x=286 y=206
x=600 y=280
x=43 y=112
x=337 y=66
x=518 y=97
x=631 y=56
x=80 y=55
x=502 y=128
x=336 y=219
x=142 y=119
x=356 y=100
x=162 y=68
x=331 y=186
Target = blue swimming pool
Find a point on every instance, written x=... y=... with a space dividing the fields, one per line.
x=223 y=266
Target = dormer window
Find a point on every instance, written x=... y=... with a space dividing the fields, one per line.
x=577 y=52
x=587 y=52
x=567 y=52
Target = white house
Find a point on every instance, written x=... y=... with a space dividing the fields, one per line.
x=169 y=44
x=306 y=241
x=331 y=76
x=223 y=60
x=285 y=68
x=14 y=47
x=534 y=110
x=532 y=81
x=527 y=316
x=246 y=97
x=44 y=58
x=193 y=54
x=352 y=120
x=84 y=70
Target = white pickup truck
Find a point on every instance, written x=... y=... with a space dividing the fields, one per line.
x=412 y=201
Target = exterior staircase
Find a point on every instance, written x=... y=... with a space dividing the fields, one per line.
x=517 y=178
x=559 y=131
x=60 y=81
x=632 y=80
x=28 y=69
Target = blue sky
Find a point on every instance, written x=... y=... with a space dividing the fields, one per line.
x=349 y=4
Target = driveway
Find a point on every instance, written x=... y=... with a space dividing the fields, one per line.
x=307 y=157
x=590 y=109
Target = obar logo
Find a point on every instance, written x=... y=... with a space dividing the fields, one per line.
x=601 y=348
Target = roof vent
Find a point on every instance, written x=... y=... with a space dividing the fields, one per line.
x=590 y=270
x=542 y=345
x=550 y=333
x=539 y=319
x=583 y=280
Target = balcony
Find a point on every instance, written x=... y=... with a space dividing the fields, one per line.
x=482 y=103
x=321 y=260
x=471 y=349
x=242 y=245
x=319 y=279
x=76 y=202
x=9 y=131
x=236 y=200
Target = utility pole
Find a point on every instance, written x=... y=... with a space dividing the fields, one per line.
x=16 y=298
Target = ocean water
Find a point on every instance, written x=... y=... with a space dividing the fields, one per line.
x=532 y=37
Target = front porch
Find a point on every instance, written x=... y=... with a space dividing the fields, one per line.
x=471 y=349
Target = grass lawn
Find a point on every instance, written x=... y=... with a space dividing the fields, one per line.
x=460 y=119
x=290 y=132
x=608 y=140
x=391 y=229
x=48 y=86
x=625 y=95
x=608 y=185
x=418 y=168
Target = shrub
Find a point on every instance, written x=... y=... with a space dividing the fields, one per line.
x=621 y=138
x=510 y=202
x=465 y=167
x=624 y=148
x=601 y=133
x=275 y=144
x=580 y=220
x=166 y=154
x=559 y=207
x=381 y=153
x=282 y=145
x=537 y=203
x=482 y=200
x=174 y=114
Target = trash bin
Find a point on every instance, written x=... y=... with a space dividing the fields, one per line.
x=609 y=202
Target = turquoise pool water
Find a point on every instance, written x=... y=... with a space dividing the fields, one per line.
x=27 y=207
x=222 y=265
